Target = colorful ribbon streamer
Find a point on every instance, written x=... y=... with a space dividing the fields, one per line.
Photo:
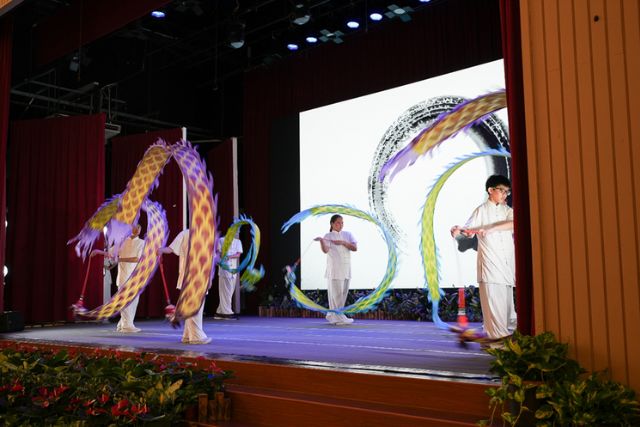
x=365 y=303
x=122 y=211
x=251 y=275
x=444 y=127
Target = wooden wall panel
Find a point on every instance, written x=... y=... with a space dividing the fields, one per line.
x=581 y=65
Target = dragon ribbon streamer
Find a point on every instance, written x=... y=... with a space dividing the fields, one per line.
x=251 y=275
x=365 y=303
x=444 y=127
x=428 y=247
x=144 y=270
x=120 y=212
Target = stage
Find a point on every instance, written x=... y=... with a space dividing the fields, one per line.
x=377 y=346
x=295 y=371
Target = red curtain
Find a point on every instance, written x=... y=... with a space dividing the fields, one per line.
x=6 y=42
x=126 y=152
x=55 y=183
x=444 y=37
x=510 y=20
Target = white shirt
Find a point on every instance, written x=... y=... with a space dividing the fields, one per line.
x=236 y=247
x=496 y=253
x=131 y=248
x=180 y=247
x=339 y=257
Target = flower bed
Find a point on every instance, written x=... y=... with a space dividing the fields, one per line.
x=61 y=387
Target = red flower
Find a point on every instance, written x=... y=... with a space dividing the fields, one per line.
x=104 y=398
x=120 y=408
x=59 y=390
x=42 y=391
x=142 y=409
x=89 y=402
x=214 y=368
x=17 y=387
x=95 y=411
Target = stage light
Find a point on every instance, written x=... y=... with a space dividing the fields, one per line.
x=236 y=34
x=334 y=36
x=158 y=14
x=311 y=39
x=292 y=46
x=353 y=24
x=6 y=271
x=396 y=11
x=425 y=1
x=300 y=15
x=375 y=16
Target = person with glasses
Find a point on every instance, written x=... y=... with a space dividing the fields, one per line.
x=492 y=223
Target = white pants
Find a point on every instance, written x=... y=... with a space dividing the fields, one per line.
x=498 y=309
x=193 y=327
x=226 y=287
x=127 y=316
x=337 y=292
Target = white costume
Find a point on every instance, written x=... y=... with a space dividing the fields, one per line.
x=496 y=269
x=227 y=280
x=131 y=248
x=193 y=333
x=338 y=274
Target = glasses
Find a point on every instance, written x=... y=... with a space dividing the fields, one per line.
x=503 y=190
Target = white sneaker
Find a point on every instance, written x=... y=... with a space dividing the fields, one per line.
x=129 y=330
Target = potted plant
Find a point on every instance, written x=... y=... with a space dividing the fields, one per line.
x=541 y=386
x=524 y=363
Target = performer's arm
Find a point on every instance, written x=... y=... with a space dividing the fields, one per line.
x=490 y=228
x=324 y=244
x=165 y=250
x=352 y=246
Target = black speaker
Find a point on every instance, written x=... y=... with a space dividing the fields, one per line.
x=11 y=321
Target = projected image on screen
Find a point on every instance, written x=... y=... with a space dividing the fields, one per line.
x=342 y=149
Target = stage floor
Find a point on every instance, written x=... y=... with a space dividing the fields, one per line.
x=375 y=346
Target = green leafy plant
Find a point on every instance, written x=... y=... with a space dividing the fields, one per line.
x=61 y=388
x=594 y=400
x=524 y=362
x=542 y=386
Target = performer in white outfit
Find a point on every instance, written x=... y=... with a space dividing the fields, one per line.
x=338 y=245
x=227 y=280
x=492 y=222
x=128 y=257
x=193 y=332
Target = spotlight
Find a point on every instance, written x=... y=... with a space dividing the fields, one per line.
x=425 y=1
x=236 y=34
x=158 y=14
x=292 y=46
x=375 y=16
x=311 y=39
x=353 y=24
x=5 y=271
x=300 y=15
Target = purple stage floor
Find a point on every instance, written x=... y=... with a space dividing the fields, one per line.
x=375 y=346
